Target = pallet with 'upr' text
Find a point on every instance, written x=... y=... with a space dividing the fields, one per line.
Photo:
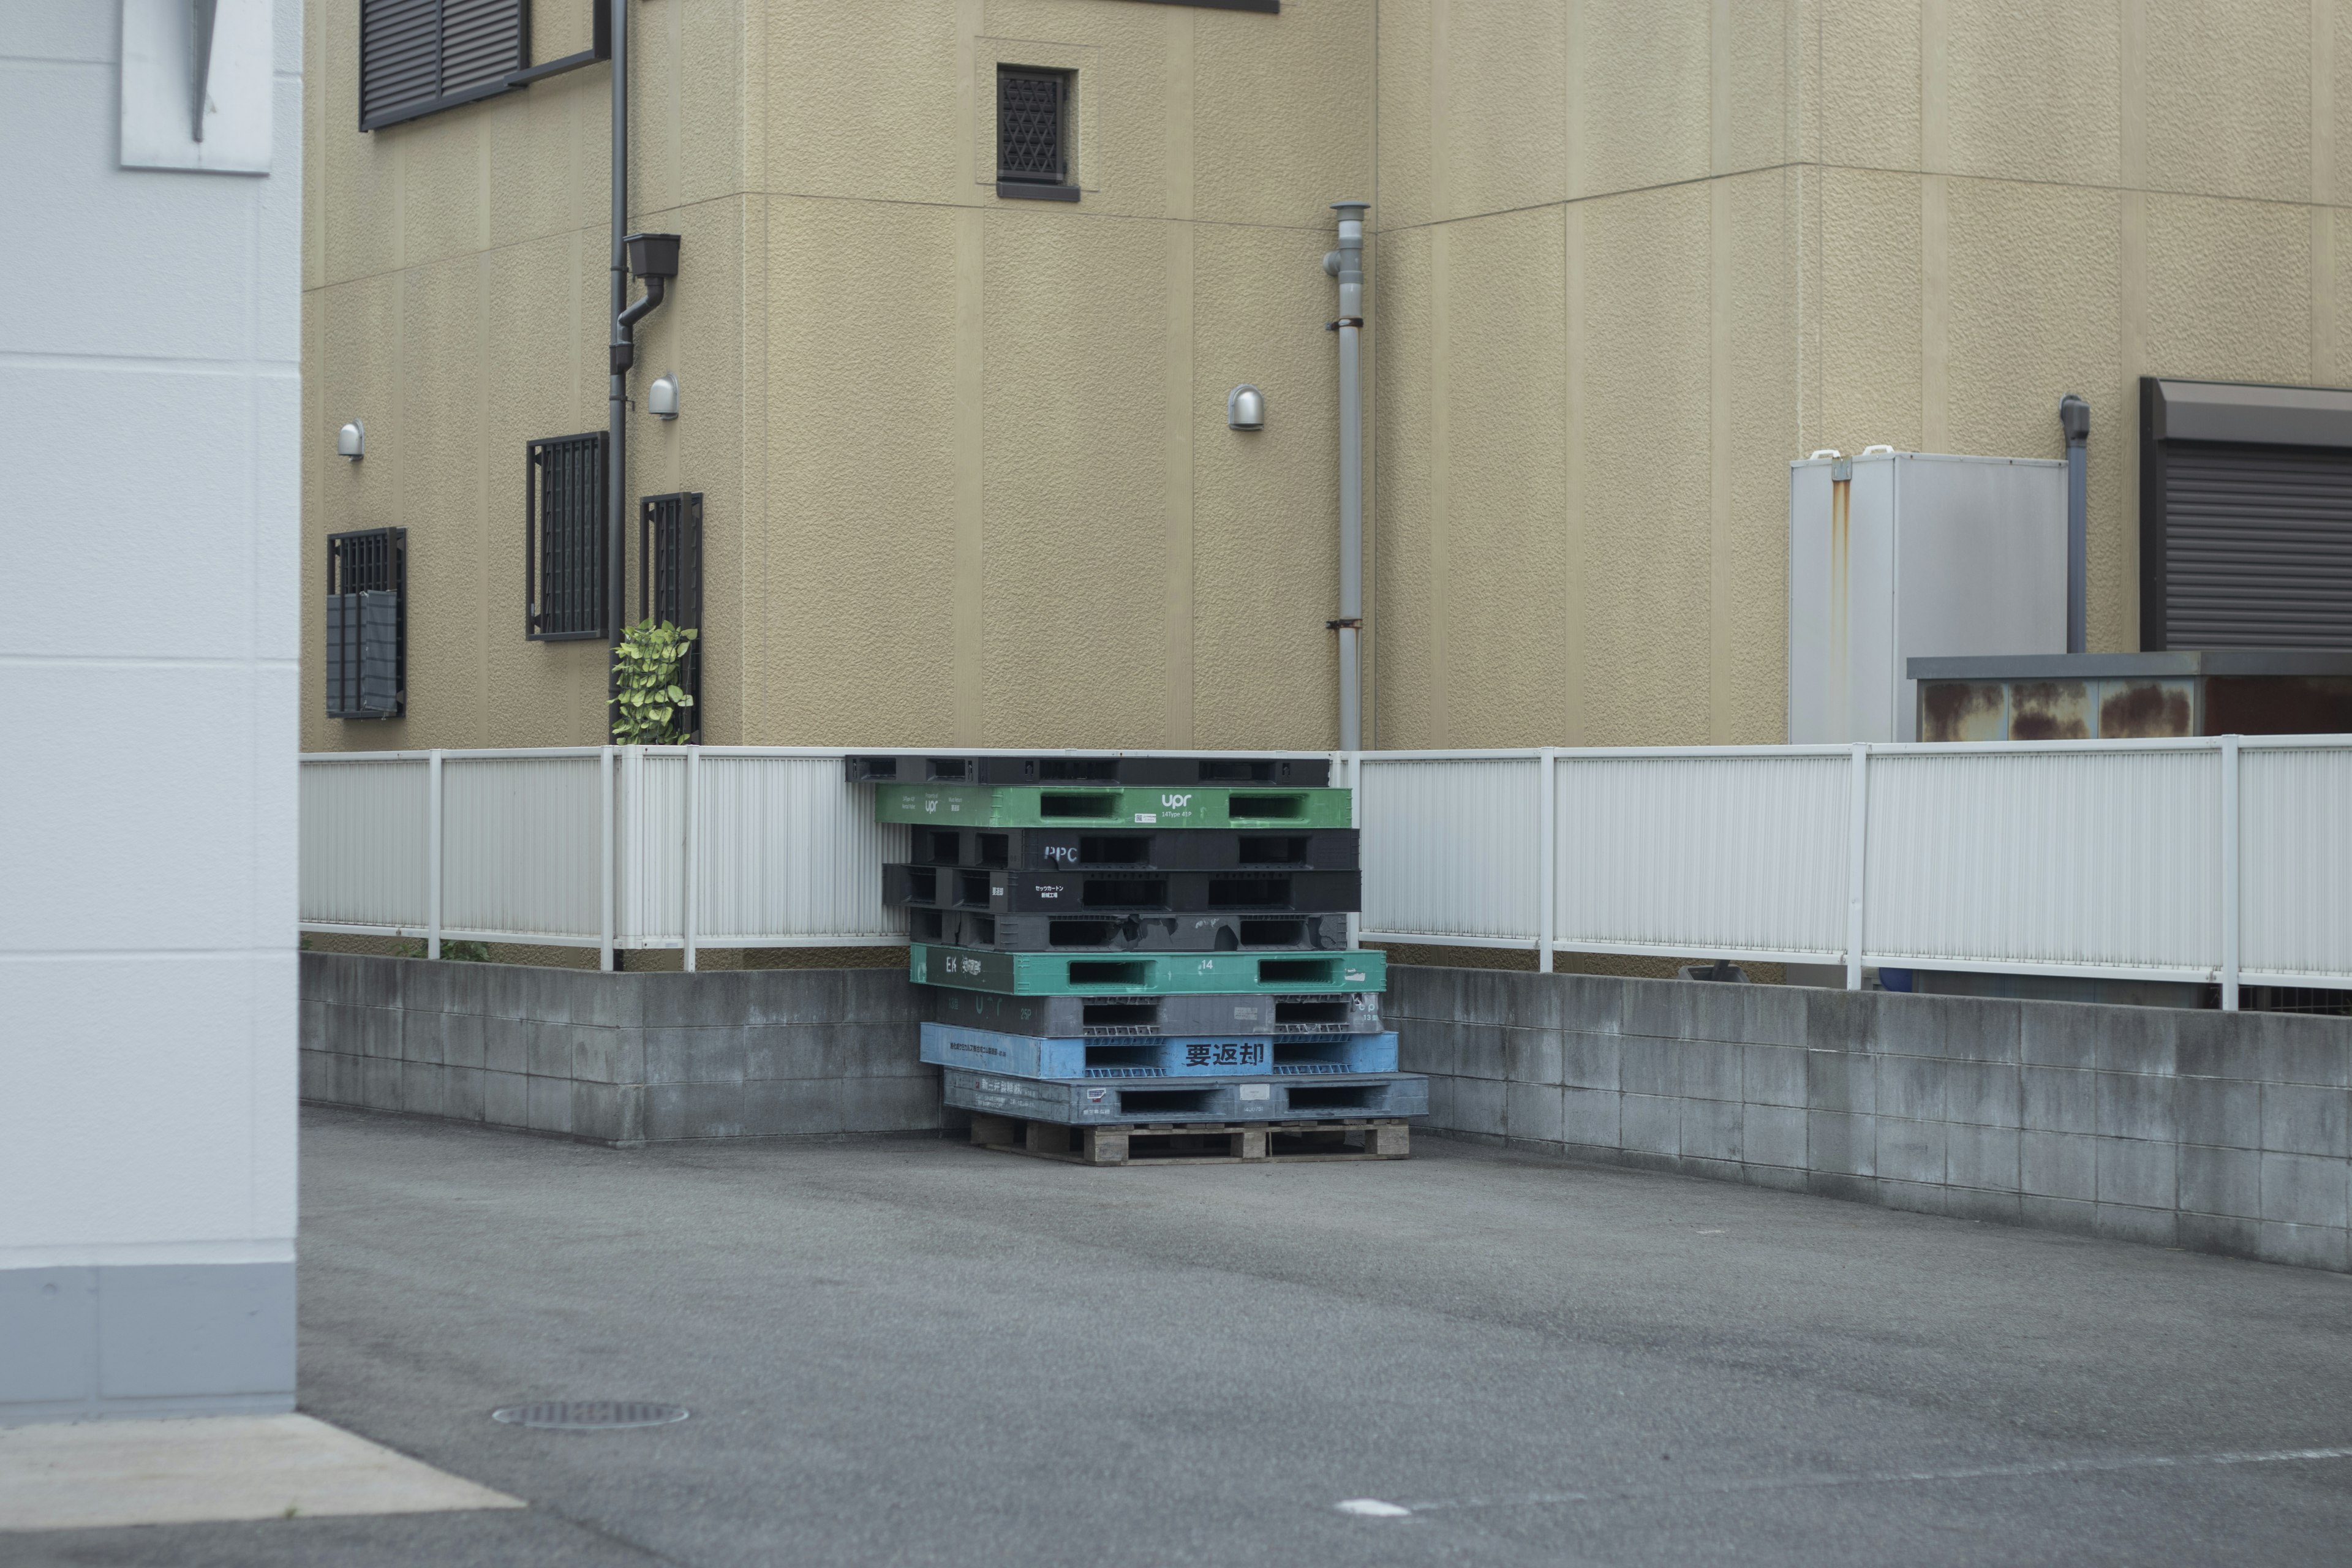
x=975 y=806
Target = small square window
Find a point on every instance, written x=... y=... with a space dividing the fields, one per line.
x=1032 y=133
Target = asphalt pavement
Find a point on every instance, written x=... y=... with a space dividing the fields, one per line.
x=908 y=1352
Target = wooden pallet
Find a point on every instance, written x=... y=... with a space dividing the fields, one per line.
x=1195 y=1143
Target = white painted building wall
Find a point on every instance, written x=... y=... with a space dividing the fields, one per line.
x=149 y=404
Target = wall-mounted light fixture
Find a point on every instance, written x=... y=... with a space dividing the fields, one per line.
x=1245 y=408
x=661 y=397
x=351 y=441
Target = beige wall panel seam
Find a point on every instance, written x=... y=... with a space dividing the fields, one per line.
x=2323 y=296
x=1440 y=478
x=1572 y=607
x=2323 y=192
x=673 y=106
x=1935 y=81
x=1718 y=157
x=971 y=477
x=2323 y=101
x=2132 y=86
x=1573 y=77
x=1177 y=500
x=1441 y=109
x=1935 y=313
x=1720 y=717
x=755 y=525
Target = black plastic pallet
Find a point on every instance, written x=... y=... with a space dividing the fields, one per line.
x=1147 y=773
x=1138 y=1017
x=1145 y=893
x=1130 y=932
x=1143 y=848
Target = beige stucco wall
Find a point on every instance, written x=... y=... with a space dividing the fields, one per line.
x=965 y=464
x=1635 y=255
x=966 y=471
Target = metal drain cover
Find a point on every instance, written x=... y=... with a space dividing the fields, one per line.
x=590 y=1414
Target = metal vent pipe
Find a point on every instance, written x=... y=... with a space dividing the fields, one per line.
x=2074 y=418
x=1347 y=264
x=616 y=560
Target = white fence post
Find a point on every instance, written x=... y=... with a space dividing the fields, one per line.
x=1857 y=850
x=1548 y=802
x=608 y=827
x=686 y=875
x=2232 y=834
x=433 y=849
x=1350 y=766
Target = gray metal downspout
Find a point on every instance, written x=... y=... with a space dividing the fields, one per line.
x=1347 y=264
x=2074 y=418
x=616 y=456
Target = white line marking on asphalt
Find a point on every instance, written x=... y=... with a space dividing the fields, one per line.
x=1371 y=1508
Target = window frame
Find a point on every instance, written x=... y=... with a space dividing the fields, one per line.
x=393 y=565
x=596 y=444
x=1028 y=186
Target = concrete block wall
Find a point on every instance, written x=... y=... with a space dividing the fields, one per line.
x=2217 y=1132
x=620 y=1057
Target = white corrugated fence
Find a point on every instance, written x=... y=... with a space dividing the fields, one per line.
x=2216 y=861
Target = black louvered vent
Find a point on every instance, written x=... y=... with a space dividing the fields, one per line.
x=2257 y=547
x=419 y=56
x=564 y=550
x=1030 y=132
x=367 y=623
x=670 y=578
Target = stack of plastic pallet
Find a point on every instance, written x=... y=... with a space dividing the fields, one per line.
x=1134 y=958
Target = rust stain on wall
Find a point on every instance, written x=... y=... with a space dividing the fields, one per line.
x=2050 y=710
x=2144 y=709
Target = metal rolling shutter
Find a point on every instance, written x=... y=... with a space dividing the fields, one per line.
x=2257 y=547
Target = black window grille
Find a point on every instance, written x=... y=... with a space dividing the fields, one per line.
x=367 y=623
x=669 y=579
x=564 y=556
x=420 y=56
x=1032 y=132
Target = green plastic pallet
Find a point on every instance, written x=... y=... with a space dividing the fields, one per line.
x=1074 y=805
x=1145 y=974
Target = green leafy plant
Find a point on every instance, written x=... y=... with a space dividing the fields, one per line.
x=454 y=950
x=648 y=671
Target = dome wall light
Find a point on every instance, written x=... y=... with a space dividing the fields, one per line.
x=351 y=441
x=1245 y=408
x=661 y=397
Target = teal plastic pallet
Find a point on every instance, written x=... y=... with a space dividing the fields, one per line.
x=1102 y=805
x=1144 y=973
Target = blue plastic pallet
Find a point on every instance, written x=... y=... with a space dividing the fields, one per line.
x=1158 y=1055
x=1083 y=1102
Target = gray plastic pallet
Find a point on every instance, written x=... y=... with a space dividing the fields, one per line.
x=1084 y=1103
x=1130 y=932
x=1126 y=1017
